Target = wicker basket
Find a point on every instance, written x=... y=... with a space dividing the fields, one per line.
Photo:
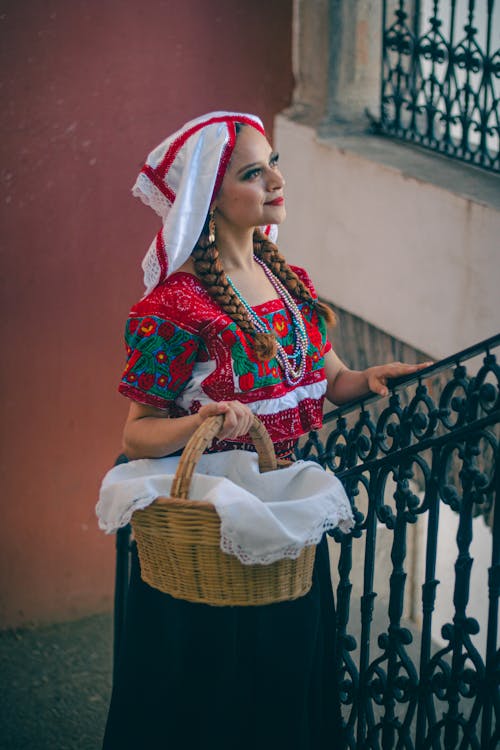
x=178 y=541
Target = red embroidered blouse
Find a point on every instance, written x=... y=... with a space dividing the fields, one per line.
x=184 y=351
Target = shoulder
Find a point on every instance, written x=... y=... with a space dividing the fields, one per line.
x=305 y=278
x=181 y=298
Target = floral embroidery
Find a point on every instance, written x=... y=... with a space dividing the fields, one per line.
x=248 y=373
x=166 y=330
x=146 y=380
x=178 y=339
x=160 y=368
x=246 y=381
x=147 y=327
x=280 y=325
x=133 y=325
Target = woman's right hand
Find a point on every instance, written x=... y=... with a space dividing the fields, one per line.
x=238 y=418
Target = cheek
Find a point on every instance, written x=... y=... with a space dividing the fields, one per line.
x=244 y=199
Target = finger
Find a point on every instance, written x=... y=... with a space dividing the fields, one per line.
x=241 y=427
x=414 y=367
x=377 y=385
x=213 y=409
x=244 y=416
x=249 y=419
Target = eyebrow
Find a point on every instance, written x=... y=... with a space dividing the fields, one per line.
x=272 y=156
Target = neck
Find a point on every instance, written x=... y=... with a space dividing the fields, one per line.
x=235 y=248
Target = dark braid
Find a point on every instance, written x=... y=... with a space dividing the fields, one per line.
x=269 y=253
x=211 y=273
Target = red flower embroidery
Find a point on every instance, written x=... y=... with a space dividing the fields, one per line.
x=131 y=377
x=161 y=356
x=147 y=327
x=132 y=325
x=246 y=381
x=162 y=381
x=179 y=368
x=166 y=330
x=314 y=335
x=146 y=380
x=229 y=337
x=280 y=324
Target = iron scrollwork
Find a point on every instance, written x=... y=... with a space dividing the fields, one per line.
x=433 y=443
x=439 y=84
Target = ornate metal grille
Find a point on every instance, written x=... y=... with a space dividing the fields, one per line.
x=441 y=77
x=436 y=441
x=405 y=683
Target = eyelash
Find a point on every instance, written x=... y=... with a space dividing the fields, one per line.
x=254 y=172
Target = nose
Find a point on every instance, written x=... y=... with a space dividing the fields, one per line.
x=275 y=180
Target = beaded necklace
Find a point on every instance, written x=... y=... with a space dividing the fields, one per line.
x=293 y=365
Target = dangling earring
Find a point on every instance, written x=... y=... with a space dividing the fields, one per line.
x=211 y=227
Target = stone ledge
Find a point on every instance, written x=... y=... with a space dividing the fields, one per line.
x=411 y=161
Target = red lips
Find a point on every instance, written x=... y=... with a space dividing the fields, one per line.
x=276 y=202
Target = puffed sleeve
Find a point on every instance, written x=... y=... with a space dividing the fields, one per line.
x=160 y=360
x=314 y=320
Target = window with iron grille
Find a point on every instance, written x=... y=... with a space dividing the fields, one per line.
x=441 y=77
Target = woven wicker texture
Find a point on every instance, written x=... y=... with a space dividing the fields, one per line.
x=178 y=541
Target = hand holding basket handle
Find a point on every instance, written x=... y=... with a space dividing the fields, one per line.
x=198 y=443
x=178 y=540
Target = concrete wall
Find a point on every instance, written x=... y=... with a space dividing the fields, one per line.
x=406 y=240
x=88 y=88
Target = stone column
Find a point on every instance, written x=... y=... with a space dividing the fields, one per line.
x=310 y=55
x=355 y=44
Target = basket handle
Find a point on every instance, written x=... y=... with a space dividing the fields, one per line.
x=204 y=435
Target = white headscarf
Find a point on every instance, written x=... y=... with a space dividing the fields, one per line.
x=179 y=180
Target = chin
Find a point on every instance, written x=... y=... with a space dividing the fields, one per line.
x=277 y=216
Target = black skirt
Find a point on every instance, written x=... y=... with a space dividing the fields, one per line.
x=191 y=676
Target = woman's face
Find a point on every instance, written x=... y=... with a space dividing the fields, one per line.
x=251 y=193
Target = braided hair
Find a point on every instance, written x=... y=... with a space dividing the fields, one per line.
x=209 y=269
x=268 y=252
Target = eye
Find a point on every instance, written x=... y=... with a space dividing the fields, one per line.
x=273 y=161
x=252 y=173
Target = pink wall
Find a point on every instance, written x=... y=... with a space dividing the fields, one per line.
x=88 y=88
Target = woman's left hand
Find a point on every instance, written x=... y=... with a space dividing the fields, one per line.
x=377 y=377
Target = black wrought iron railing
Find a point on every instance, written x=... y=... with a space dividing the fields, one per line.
x=422 y=469
x=418 y=580
x=441 y=77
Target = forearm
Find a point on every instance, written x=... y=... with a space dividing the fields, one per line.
x=347 y=386
x=154 y=437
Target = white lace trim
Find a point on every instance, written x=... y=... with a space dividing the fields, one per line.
x=150 y=195
x=152 y=269
x=264 y=517
x=342 y=518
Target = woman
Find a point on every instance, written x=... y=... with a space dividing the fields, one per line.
x=227 y=327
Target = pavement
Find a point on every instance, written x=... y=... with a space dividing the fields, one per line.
x=55 y=682
x=55 y=685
